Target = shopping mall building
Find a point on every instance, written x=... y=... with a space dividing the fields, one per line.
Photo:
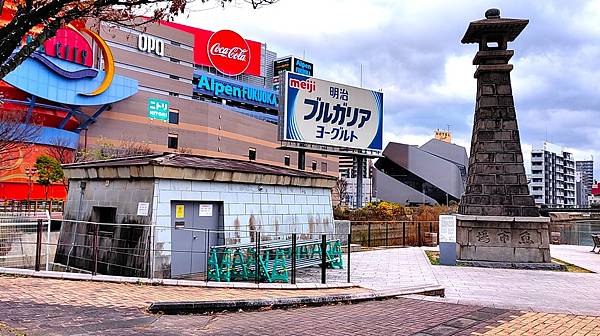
x=167 y=87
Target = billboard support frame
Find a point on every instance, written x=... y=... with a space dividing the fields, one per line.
x=296 y=142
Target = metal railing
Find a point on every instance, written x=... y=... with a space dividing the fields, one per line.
x=140 y=250
x=22 y=236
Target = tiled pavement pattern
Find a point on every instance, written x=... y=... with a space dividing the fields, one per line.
x=541 y=291
x=380 y=269
x=578 y=255
x=107 y=311
x=82 y=293
x=547 y=325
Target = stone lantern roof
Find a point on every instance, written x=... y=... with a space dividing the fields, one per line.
x=494 y=29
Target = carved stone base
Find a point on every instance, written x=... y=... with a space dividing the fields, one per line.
x=503 y=239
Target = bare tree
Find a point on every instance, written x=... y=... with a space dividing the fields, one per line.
x=47 y=16
x=16 y=135
x=106 y=150
x=60 y=150
x=340 y=189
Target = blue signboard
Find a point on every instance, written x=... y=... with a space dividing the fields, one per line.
x=303 y=67
x=38 y=79
x=326 y=113
x=215 y=86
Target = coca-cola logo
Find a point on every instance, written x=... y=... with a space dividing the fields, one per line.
x=228 y=52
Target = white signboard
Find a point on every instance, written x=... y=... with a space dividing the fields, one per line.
x=320 y=112
x=206 y=210
x=447 y=229
x=143 y=209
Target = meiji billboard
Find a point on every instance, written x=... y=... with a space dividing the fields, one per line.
x=225 y=50
x=321 y=112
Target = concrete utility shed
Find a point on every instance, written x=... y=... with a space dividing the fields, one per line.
x=169 y=192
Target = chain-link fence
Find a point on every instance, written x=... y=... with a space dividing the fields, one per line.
x=26 y=240
x=174 y=252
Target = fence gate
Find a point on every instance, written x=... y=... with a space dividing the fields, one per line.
x=189 y=224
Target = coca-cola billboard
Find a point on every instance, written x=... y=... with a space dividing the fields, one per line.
x=202 y=43
x=228 y=52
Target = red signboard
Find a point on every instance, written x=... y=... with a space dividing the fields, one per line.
x=69 y=45
x=201 y=50
x=228 y=52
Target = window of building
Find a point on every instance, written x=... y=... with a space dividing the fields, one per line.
x=252 y=154
x=174 y=77
x=324 y=167
x=173 y=94
x=174 y=60
x=173 y=116
x=314 y=165
x=173 y=141
x=286 y=160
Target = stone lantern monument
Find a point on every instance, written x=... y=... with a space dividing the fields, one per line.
x=498 y=223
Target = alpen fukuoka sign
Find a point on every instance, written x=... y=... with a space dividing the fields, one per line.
x=327 y=113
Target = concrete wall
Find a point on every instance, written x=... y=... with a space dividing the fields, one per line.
x=275 y=211
x=122 y=194
x=122 y=248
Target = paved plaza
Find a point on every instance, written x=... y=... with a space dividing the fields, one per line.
x=542 y=291
x=478 y=302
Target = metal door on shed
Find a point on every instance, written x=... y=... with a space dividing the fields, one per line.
x=190 y=238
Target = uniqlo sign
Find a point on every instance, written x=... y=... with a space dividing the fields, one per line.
x=224 y=50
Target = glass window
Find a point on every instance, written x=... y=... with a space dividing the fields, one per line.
x=286 y=160
x=252 y=154
x=173 y=141
x=324 y=167
x=314 y=165
x=173 y=116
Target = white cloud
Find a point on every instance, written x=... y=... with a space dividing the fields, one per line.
x=412 y=51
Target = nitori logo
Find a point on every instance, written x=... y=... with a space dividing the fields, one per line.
x=307 y=85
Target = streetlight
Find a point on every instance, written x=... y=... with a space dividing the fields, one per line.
x=30 y=172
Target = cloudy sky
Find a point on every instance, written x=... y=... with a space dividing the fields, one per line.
x=412 y=51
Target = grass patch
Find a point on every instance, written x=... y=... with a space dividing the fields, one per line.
x=571 y=267
x=4 y=329
x=433 y=256
x=434 y=259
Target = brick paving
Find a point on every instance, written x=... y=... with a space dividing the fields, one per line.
x=33 y=306
x=547 y=325
x=57 y=307
x=82 y=293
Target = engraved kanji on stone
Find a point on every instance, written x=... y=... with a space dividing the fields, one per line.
x=504 y=236
x=483 y=236
x=526 y=238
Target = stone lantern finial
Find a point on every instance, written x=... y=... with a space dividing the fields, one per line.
x=492 y=13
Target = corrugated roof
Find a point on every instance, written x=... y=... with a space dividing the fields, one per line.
x=198 y=162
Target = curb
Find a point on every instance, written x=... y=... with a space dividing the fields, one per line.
x=168 y=282
x=201 y=307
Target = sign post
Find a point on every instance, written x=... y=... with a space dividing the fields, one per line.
x=448 y=240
